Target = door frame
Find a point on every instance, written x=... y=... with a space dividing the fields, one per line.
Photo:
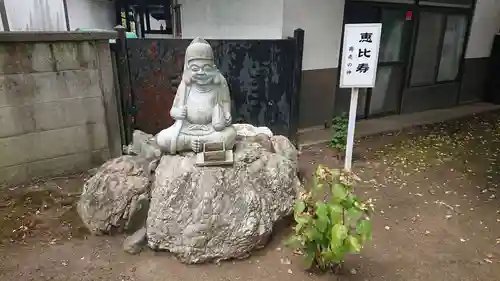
x=407 y=49
x=469 y=14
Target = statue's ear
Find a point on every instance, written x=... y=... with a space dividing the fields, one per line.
x=217 y=79
x=186 y=77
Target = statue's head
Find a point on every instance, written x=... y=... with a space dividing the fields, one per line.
x=199 y=66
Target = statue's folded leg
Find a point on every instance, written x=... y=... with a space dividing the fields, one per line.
x=164 y=139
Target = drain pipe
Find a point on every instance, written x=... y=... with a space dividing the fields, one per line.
x=173 y=8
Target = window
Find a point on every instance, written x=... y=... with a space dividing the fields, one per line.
x=448 y=3
x=393 y=22
x=439 y=48
x=453 y=43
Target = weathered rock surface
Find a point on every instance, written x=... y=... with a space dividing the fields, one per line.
x=143 y=145
x=116 y=198
x=247 y=130
x=215 y=213
x=284 y=147
x=134 y=243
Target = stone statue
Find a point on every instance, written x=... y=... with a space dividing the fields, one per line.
x=202 y=105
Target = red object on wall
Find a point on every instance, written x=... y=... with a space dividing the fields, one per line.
x=409 y=15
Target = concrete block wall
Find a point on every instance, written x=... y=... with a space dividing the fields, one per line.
x=56 y=104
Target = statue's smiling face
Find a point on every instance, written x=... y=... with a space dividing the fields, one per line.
x=203 y=71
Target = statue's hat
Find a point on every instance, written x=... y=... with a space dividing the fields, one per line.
x=199 y=49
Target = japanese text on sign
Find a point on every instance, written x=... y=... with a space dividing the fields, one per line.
x=360 y=55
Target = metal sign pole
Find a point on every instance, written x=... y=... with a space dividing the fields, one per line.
x=350 y=129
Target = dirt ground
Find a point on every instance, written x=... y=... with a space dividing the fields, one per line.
x=437 y=218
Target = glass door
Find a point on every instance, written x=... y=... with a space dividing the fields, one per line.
x=385 y=97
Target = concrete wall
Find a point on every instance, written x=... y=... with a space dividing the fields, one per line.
x=235 y=19
x=97 y=14
x=57 y=113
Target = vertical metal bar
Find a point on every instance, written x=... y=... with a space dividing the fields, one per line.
x=173 y=5
x=298 y=36
x=148 y=19
x=3 y=14
x=168 y=14
x=444 y=24
x=140 y=11
x=118 y=13
x=125 y=83
x=66 y=16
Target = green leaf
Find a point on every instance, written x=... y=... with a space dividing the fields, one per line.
x=313 y=234
x=293 y=242
x=349 y=201
x=302 y=221
x=353 y=215
x=309 y=255
x=352 y=244
x=364 y=229
x=321 y=225
x=299 y=207
x=335 y=213
x=338 y=192
x=339 y=233
x=317 y=187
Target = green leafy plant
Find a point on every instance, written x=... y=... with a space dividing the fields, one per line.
x=328 y=229
x=339 y=132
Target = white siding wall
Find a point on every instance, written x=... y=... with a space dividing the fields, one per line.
x=322 y=22
x=35 y=15
x=98 y=14
x=485 y=25
x=234 y=19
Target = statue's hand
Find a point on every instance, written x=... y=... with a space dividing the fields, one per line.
x=228 y=120
x=179 y=113
x=219 y=126
x=196 y=145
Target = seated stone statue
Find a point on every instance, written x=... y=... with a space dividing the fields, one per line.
x=202 y=105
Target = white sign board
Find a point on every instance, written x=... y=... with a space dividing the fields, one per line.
x=360 y=55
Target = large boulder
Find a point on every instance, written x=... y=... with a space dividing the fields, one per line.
x=215 y=213
x=116 y=198
x=284 y=147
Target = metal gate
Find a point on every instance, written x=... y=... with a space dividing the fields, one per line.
x=263 y=77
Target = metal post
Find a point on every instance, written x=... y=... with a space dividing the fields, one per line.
x=125 y=83
x=298 y=36
x=173 y=5
x=66 y=15
x=350 y=129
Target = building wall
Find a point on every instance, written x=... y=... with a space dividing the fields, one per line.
x=322 y=22
x=96 y=14
x=52 y=107
x=485 y=24
x=35 y=15
x=235 y=19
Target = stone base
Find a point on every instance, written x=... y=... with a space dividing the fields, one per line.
x=198 y=213
x=215 y=213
